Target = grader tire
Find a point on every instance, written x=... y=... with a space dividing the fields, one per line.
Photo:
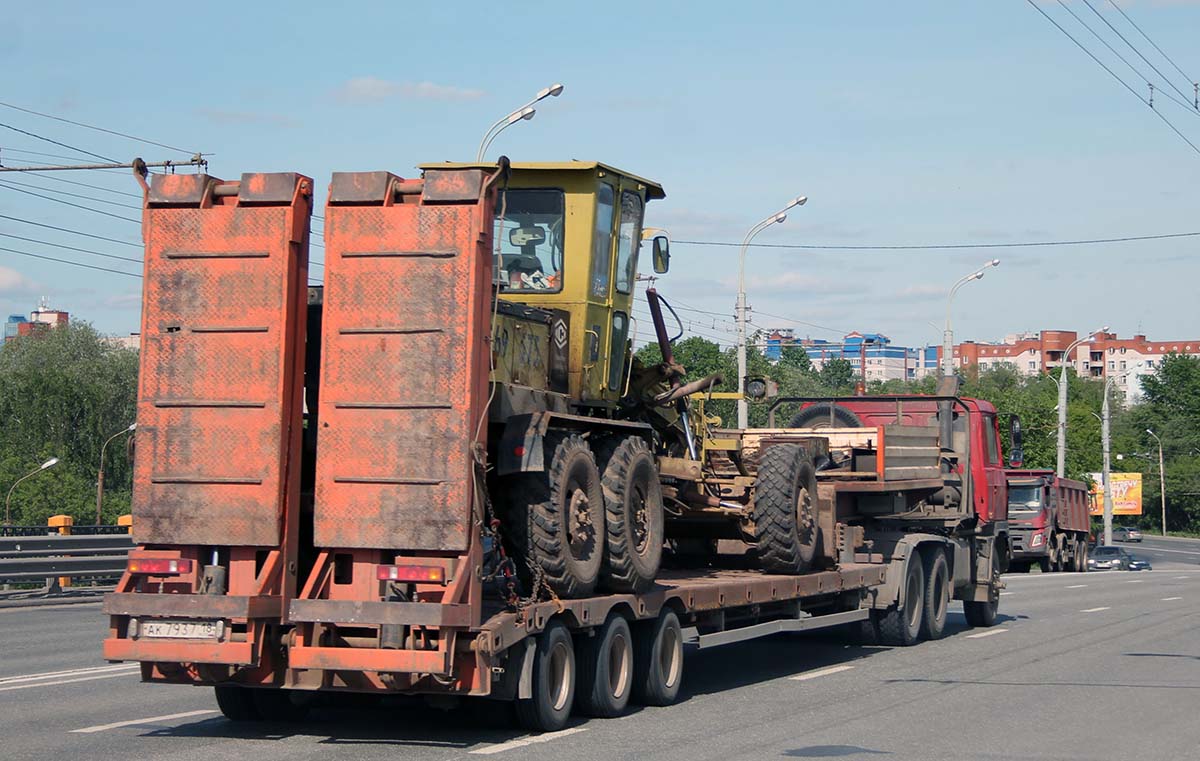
x=554 y=521
x=785 y=523
x=633 y=515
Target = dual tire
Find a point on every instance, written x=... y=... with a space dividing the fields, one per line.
x=923 y=613
x=598 y=674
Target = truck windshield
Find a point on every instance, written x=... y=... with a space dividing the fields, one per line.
x=1024 y=499
x=530 y=237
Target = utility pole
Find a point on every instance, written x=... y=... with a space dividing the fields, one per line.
x=1062 y=403
x=1106 y=437
x=1162 y=481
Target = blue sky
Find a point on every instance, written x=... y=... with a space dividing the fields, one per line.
x=904 y=123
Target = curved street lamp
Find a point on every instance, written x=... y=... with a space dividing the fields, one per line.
x=948 y=334
x=1162 y=481
x=1062 y=401
x=44 y=466
x=524 y=113
x=743 y=409
x=100 y=474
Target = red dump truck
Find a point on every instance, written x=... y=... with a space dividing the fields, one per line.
x=1048 y=521
x=445 y=474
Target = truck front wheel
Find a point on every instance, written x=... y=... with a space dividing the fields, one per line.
x=785 y=520
x=553 y=690
x=983 y=613
x=902 y=624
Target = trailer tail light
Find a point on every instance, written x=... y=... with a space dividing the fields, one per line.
x=425 y=574
x=160 y=566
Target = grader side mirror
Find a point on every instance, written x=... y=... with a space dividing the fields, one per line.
x=662 y=254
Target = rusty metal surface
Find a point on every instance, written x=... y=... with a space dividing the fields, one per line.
x=360 y=187
x=235 y=653
x=355 y=612
x=218 y=399
x=403 y=371
x=191 y=606
x=370 y=659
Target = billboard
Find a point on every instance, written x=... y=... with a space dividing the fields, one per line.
x=1126 y=492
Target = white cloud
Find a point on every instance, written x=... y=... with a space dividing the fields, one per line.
x=14 y=283
x=374 y=89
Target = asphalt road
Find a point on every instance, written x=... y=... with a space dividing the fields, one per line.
x=1082 y=666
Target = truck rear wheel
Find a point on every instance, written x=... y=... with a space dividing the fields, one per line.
x=658 y=660
x=605 y=670
x=553 y=690
x=785 y=524
x=236 y=703
x=902 y=624
x=1083 y=555
x=280 y=705
x=555 y=520
x=633 y=515
x=937 y=594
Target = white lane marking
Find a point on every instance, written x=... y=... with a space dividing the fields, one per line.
x=67 y=681
x=1169 y=599
x=69 y=672
x=1161 y=549
x=1183 y=577
x=1135 y=581
x=134 y=722
x=521 y=742
x=819 y=672
x=1095 y=610
x=1076 y=586
x=987 y=633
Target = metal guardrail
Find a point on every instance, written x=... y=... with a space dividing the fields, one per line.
x=38 y=558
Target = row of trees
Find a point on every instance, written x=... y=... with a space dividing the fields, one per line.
x=63 y=392
x=1170 y=406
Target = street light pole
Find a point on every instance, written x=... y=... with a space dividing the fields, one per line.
x=948 y=333
x=525 y=112
x=1162 y=481
x=100 y=474
x=1062 y=403
x=1106 y=437
x=45 y=465
x=743 y=409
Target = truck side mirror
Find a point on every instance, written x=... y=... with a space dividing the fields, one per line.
x=1016 y=450
x=662 y=254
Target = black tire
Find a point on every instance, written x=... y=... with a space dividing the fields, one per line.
x=983 y=613
x=1019 y=566
x=606 y=670
x=280 y=705
x=633 y=518
x=1084 y=551
x=236 y=703
x=1043 y=565
x=936 y=599
x=553 y=692
x=785 y=521
x=818 y=415
x=555 y=519
x=901 y=625
x=658 y=660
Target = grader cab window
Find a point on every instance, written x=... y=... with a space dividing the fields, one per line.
x=602 y=242
x=530 y=234
x=628 y=237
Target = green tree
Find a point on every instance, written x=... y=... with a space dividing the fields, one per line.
x=62 y=393
x=837 y=375
x=795 y=358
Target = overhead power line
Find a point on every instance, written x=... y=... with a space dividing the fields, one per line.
x=69 y=230
x=56 y=178
x=1114 y=75
x=68 y=261
x=55 y=142
x=69 y=203
x=1156 y=47
x=72 y=248
x=94 y=127
x=937 y=246
x=73 y=195
x=1134 y=49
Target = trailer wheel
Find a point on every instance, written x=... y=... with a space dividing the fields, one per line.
x=280 y=705
x=605 y=670
x=555 y=520
x=549 y=706
x=658 y=660
x=937 y=594
x=236 y=703
x=785 y=524
x=984 y=613
x=633 y=515
x=902 y=624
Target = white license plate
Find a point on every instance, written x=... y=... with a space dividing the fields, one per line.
x=171 y=629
